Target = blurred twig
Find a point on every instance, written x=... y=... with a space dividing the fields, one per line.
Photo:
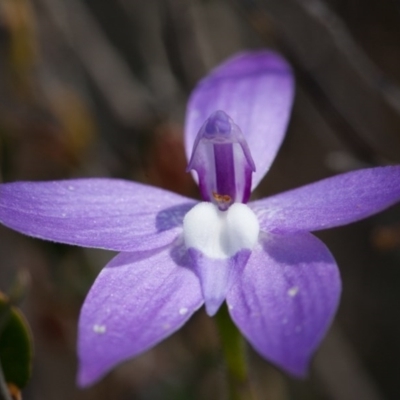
x=341 y=372
x=351 y=90
x=129 y=100
x=182 y=42
x=22 y=47
x=147 y=22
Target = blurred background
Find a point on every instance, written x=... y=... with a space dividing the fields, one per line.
x=98 y=88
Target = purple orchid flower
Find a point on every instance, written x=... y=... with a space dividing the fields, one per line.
x=281 y=283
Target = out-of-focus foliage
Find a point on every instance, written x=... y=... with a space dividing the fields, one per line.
x=16 y=347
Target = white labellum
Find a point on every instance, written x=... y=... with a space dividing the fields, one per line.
x=220 y=234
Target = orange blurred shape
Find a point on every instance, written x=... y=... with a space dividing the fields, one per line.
x=386 y=238
x=167 y=166
x=14 y=391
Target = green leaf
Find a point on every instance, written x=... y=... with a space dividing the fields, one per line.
x=15 y=344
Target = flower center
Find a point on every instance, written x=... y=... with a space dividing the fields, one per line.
x=220 y=234
x=223 y=162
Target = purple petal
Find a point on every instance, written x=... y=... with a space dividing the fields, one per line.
x=217 y=275
x=137 y=300
x=256 y=90
x=106 y=213
x=286 y=298
x=331 y=202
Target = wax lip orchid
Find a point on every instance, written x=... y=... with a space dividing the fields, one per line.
x=280 y=282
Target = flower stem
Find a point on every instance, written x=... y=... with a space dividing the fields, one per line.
x=233 y=349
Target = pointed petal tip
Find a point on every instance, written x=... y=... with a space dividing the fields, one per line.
x=81 y=382
x=298 y=368
x=297 y=371
x=303 y=373
x=212 y=305
x=216 y=275
x=250 y=62
x=89 y=374
x=84 y=378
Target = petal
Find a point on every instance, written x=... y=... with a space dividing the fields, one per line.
x=256 y=90
x=106 y=213
x=331 y=202
x=217 y=275
x=137 y=300
x=286 y=298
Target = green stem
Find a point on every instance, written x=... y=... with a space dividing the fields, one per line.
x=233 y=349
